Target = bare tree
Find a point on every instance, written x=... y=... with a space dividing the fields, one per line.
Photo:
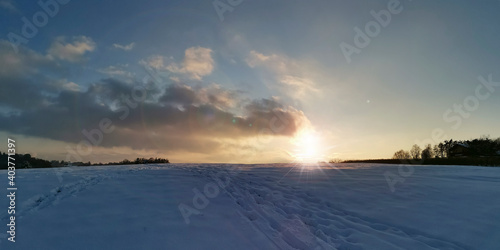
x=436 y=151
x=415 y=152
x=427 y=153
x=442 y=149
x=448 y=145
x=401 y=155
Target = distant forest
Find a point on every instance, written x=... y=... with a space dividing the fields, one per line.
x=27 y=161
x=482 y=152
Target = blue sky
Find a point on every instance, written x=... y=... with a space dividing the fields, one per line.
x=264 y=57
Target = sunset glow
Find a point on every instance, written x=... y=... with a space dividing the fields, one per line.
x=249 y=83
x=249 y=124
x=308 y=147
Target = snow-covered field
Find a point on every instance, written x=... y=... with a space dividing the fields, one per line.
x=283 y=206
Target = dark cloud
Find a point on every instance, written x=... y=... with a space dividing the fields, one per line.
x=170 y=118
x=151 y=125
x=281 y=119
x=184 y=95
x=177 y=94
x=25 y=78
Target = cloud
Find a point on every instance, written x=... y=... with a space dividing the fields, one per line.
x=73 y=51
x=181 y=95
x=281 y=119
x=124 y=47
x=193 y=119
x=71 y=86
x=156 y=62
x=298 y=86
x=174 y=118
x=291 y=76
x=116 y=71
x=26 y=61
x=197 y=63
x=26 y=77
x=255 y=59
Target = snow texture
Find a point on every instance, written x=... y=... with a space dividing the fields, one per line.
x=278 y=206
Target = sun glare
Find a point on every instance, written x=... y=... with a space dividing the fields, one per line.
x=307 y=147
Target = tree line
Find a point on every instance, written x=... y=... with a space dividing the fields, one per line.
x=24 y=161
x=475 y=152
x=138 y=161
x=27 y=161
x=482 y=147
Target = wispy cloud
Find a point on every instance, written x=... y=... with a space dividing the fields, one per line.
x=197 y=63
x=116 y=71
x=127 y=47
x=73 y=51
x=23 y=74
x=70 y=86
x=156 y=62
x=289 y=74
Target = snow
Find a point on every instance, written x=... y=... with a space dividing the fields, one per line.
x=278 y=206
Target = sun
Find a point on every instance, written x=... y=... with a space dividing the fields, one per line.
x=307 y=147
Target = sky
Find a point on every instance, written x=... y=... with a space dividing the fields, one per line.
x=245 y=81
